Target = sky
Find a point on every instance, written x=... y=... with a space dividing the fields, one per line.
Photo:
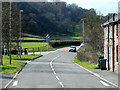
x=102 y=6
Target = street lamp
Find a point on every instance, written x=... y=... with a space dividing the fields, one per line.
x=20 y=29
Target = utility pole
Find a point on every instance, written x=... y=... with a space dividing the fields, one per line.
x=20 y=29
x=1 y=62
x=83 y=31
x=10 y=33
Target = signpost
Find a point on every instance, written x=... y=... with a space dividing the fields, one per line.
x=47 y=39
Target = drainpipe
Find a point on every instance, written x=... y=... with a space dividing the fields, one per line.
x=108 y=45
x=113 y=43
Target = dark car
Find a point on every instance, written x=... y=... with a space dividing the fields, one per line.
x=72 y=49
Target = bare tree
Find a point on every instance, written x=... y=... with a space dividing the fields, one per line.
x=5 y=24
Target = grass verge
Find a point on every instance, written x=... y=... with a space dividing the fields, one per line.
x=86 y=64
x=23 y=57
x=15 y=64
x=11 y=68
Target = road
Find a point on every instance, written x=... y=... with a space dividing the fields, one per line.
x=56 y=70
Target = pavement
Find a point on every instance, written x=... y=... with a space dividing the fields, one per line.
x=108 y=76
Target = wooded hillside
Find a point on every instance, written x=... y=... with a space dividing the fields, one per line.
x=59 y=18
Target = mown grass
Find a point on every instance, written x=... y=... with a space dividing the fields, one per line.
x=11 y=68
x=33 y=44
x=38 y=46
x=67 y=37
x=23 y=57
x=28 y=38
x=86 y=64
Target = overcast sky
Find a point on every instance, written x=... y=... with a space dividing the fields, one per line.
x=103 y=6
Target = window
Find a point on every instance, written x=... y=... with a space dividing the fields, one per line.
x=117 y=53
x=116 y=29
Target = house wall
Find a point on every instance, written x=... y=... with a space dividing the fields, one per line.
x=119 y=46
x=111 y=66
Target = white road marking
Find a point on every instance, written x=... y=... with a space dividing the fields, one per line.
x=61 y=84
x=97 y=75
x=15 y=83
x=57 y=78
x=11 y=80
x=54 y=73
x=28 y=61
x=54 y=69
x=105 y=84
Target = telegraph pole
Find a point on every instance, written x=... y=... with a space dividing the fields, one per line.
x=1 y=62
x=83 y=31
x=10 y=33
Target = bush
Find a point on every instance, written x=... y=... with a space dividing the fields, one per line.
x=87 y=54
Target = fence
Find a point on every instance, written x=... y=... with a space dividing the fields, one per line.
x=36 y=49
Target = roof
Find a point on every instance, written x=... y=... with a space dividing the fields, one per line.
x=116 y=20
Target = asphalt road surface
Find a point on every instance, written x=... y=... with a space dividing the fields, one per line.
x=56 y=70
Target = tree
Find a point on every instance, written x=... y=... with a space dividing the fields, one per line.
x=14 y=24
x=94 y=32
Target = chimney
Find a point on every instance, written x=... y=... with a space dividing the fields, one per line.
x=119 y=7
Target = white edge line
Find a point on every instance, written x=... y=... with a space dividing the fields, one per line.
x=10 y=81
x=105 y=84
x=98 y=76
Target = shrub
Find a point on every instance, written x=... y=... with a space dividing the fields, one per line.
x=87 y=54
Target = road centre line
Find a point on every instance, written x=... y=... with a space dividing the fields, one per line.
x=61 y=84
x=57 y=78
x=54 y=69
x=54 y=73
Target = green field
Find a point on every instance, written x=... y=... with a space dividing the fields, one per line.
x=28 y=38
x=86 y=64
x=38 y=46
x=67 y=37
x=33 y=44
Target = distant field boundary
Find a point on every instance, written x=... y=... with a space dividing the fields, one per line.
x=55 y=43
x=55 y=40
x=30 y=40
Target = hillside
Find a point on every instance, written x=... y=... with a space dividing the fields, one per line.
x=57 y=19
